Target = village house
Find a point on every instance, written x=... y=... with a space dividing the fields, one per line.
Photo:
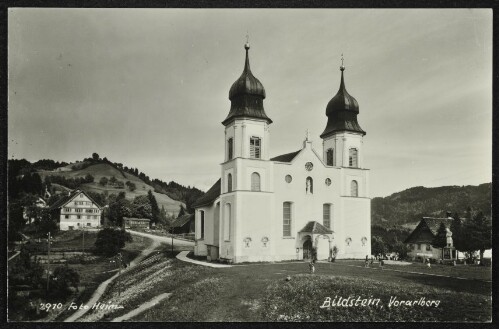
x=420 y=240
x=183 y=225
x=76 y=211
x=136 y=222
x=282 y=208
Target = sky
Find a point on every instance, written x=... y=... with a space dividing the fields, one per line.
x=149 y=87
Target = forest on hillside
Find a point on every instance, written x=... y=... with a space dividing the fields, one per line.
x=410 y=205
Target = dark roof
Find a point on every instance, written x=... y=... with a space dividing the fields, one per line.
x=139 y=219
x=210 y=195
x=246 y=95
x=434 y=223
x=181 y=221
x=288 y=157
x=342 y=112
x=68 y=198
x=315 y=228
x=426 y=230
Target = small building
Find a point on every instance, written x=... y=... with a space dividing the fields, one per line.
x=136 y=222
x=184 y=224
x=419 y=241
x=76 y=210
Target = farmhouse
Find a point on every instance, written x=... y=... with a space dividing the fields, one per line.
x=136 y=222
x=280 y=208
x=419 y=241
x=77 y=210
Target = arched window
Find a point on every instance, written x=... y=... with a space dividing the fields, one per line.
x=201 y=213
x=309 y=188
x=230 y=148
x=286 y=219
x=354 y=188
x=326 y=215
x=352 y=158
x=330 y=157
x=229 y=183
x=255 y=147
x=227 y=220
x=255 y=181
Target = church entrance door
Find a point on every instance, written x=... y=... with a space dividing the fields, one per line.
x=307 y=249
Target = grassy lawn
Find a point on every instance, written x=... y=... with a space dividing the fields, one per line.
x=262 y=293
x=465 y=271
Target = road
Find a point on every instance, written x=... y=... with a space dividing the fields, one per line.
x=156 y=242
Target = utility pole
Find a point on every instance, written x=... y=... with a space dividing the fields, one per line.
x=48 y=261
x=119 y=273
x=172 y=240
x=83 y=244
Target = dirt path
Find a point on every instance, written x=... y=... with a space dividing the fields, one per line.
x=143 y=307
x=156 y=242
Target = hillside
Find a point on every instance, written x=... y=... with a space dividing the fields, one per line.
x=100 y=170
x=407 y=207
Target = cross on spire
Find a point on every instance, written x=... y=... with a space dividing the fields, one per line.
x=342 y=67
x=247 y=45
x=307 y=135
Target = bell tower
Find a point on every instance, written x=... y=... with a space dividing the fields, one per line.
x=343 y=136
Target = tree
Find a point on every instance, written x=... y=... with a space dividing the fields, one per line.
x=103 y=181
x=62 y=279
x=89 y=178
x=113 y=180
x=131 y=186
x=95 y=156
x=480 y=233
x=456 y=228
x=378 y=246
x=155 y=212
x=46 y=223
x=110 y=241
x=401 y=249
x=440 y=239
x=181 y=212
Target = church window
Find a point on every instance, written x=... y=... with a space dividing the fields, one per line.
x=286 y=219
x=326 y=215
x=352 y=158
x=255 y=147
x=309 y=188
x=255 y=181
x=288 y=178
x=227 y=221
x=328 y=181
x=354 y=188
x=201 y=213
x=329 y=157
x=428 y=247
x=230 y=148
x=229 y=183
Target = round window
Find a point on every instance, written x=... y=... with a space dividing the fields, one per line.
x=309 y=166
x=328 y=181
x=288 y=178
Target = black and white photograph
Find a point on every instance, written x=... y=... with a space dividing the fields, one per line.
x=249 y=165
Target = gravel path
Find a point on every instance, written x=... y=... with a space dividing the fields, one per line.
x=143 y=307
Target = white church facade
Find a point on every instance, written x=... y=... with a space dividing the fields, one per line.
x=280 y=208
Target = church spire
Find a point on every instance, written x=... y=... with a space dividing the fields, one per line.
x=342 y=110
x=247 y=94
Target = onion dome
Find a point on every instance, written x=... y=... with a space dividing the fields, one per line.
x=342 y=111
x=246 y=96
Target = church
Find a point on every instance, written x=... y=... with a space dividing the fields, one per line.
x=315 y=199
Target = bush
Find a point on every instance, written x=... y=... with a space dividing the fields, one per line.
x=63 y=278
x=110 y=241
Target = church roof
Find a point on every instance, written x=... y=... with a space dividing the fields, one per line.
x=288 y=157
x=210 y=195
x=427 y=229
x=315 y=228
x=246 y=95
x=342 y=111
